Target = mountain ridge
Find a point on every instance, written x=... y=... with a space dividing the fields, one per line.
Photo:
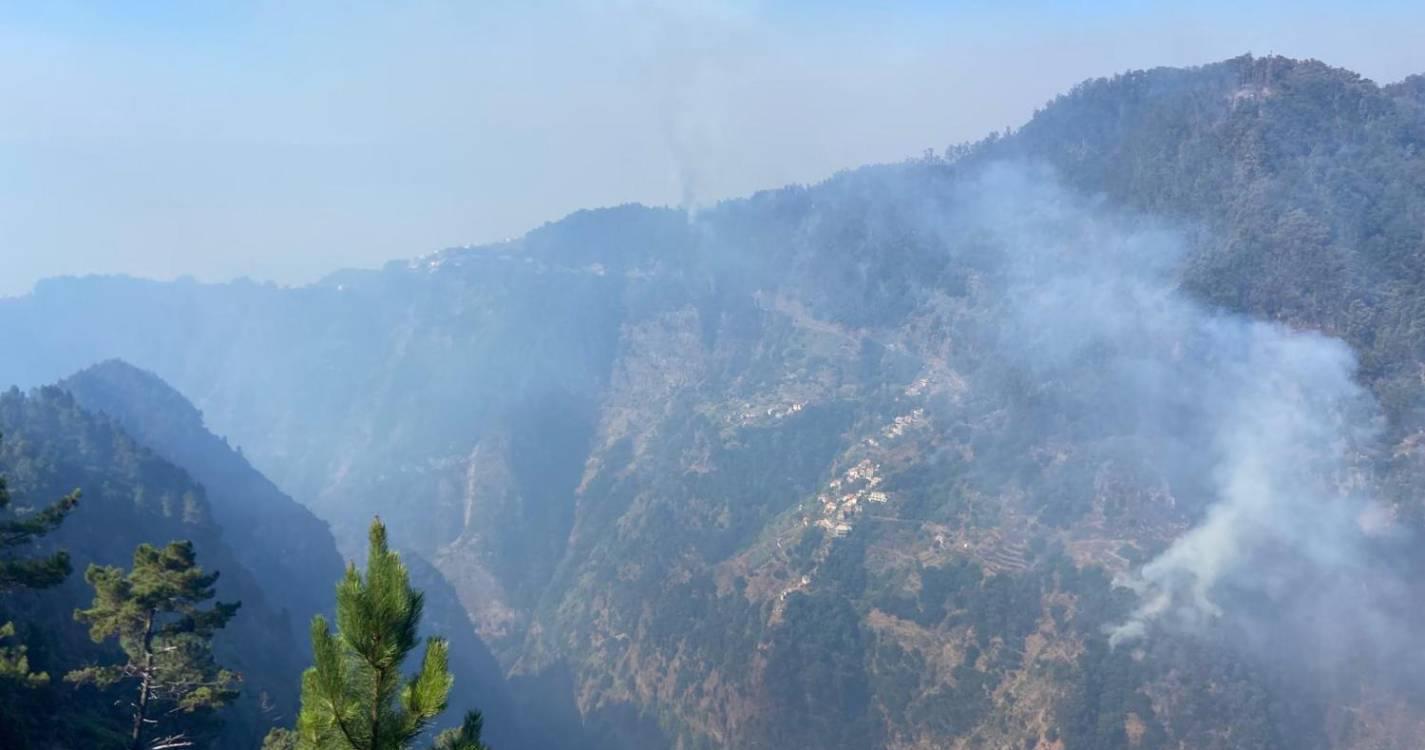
x=276 y=538
x=858 y=463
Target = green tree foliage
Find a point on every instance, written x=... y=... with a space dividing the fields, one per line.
x=15 y=663
x=133 y=495
x=16 y=533
x=288 y=551
x=816 y=677
x=280 y=739
x=156 y=612
x=355 y=696
x=465 y=737
x=28 y=572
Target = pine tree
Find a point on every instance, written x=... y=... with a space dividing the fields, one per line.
x=156 y=613
x=15 y=662
x=28 y=572
x=354 y=697
x=466 y=737
x=280 y=738
x=32 y=572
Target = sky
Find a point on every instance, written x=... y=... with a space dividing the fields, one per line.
x=281 y=141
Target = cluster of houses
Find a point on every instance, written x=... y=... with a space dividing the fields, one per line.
x=844 y=496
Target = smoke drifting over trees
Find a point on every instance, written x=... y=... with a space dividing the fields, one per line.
x=1271 y=419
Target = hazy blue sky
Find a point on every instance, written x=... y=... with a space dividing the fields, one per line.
x=282 y=140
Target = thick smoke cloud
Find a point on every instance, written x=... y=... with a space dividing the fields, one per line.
x=1271 y=420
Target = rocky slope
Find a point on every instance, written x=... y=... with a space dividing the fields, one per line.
x=860 y=464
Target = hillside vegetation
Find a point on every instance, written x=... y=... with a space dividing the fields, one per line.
x=1105 y=433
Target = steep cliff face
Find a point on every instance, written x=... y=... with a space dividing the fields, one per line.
x=860 y=464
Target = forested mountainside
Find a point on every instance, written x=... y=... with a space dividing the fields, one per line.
x=130 y=495
x=286 y=548
x=287 y=556
x=1103 y=433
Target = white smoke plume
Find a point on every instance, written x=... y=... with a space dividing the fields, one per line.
x=1272 y=418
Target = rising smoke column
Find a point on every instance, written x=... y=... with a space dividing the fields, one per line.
x=1272 y=417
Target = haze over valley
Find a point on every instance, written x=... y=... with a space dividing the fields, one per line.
x=1103 y=431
